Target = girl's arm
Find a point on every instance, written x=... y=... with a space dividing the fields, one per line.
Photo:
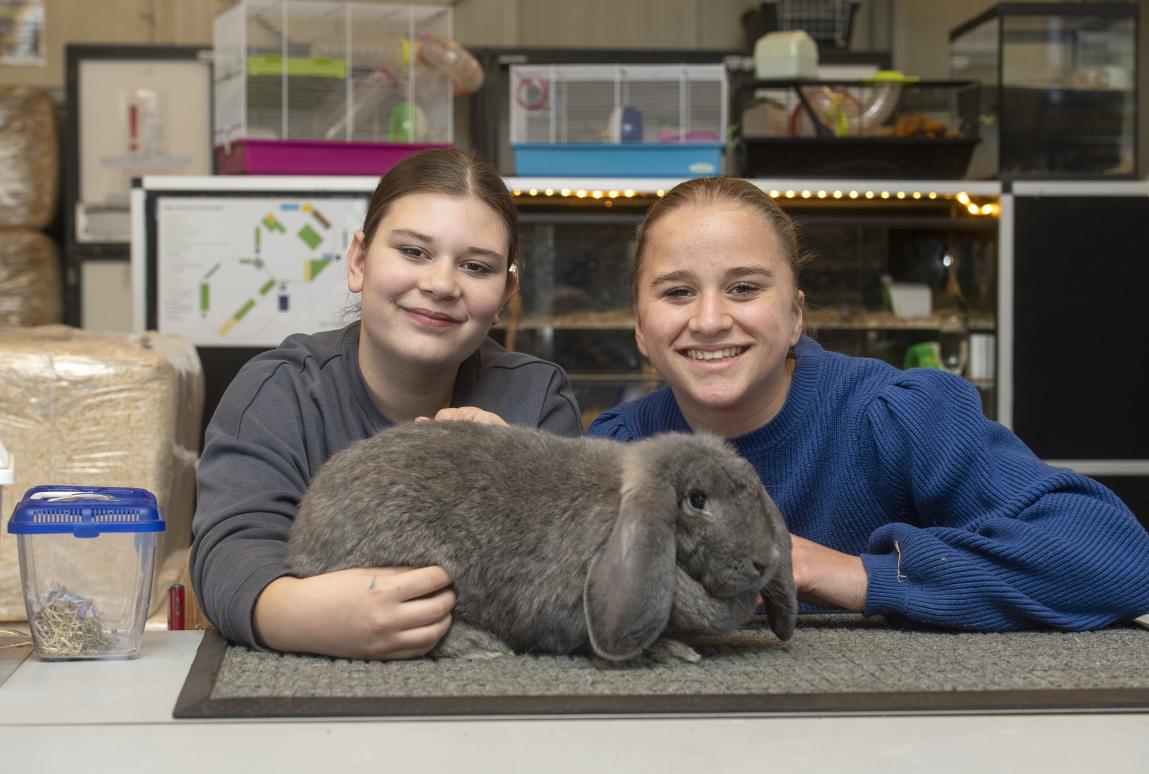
x=989 y=537
x=261 y=451
x=370 y=613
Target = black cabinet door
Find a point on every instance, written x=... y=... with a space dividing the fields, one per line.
x=1081 y=336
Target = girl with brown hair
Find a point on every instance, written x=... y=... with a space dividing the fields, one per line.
x=435 y=261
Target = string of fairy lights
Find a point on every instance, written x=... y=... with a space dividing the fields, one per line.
x=982 y=206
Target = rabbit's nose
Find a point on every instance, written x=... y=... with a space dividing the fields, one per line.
x=759 y=567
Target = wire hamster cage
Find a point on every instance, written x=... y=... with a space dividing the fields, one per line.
x=829 y=22
x=611 y=120
x=335 y=88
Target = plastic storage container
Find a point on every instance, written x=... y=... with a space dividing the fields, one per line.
x=1059 y=96
x=87 y=561
x=333 y=88
x=618 y=120
x=786 y=55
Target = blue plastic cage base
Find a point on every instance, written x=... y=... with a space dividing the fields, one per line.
x=693 y=159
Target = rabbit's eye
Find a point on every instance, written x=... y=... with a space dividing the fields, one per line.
x=697 y=500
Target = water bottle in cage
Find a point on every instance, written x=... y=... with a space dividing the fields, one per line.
x=381 y=95
x=448 y=56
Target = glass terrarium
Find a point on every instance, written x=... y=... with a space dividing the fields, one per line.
x=888 y=126
x=1059 y=89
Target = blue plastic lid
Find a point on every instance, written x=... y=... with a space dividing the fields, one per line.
x=85 y=511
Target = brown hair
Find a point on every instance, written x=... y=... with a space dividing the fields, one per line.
x=450 y=172
x=712 y=190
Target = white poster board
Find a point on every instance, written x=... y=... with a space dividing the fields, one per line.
x=239 y=271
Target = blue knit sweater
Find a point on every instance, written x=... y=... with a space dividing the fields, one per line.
x=957 y=522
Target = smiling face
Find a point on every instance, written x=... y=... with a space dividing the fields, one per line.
x=717 y=311
x=433 y=279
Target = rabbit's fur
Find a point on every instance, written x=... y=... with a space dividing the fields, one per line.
x=556 y=544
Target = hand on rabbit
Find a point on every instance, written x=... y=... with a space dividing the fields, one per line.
x=466 y=414
x=826 y=577
x=383 y=613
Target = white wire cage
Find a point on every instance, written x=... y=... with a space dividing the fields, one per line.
x=299 y=70
x=618 y=120
x=618 y=103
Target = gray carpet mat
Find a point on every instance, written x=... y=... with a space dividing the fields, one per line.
x=833 y=664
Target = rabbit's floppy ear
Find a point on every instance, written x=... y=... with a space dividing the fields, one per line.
x=780 y=595
x=630 y=585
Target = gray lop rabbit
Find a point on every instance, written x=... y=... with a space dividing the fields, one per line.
x=557 y=545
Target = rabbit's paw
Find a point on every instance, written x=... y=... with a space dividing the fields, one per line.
x=666 y=651
x=465 y=641
x=662 y=652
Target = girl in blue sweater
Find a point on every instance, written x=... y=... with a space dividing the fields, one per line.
x=902 y=498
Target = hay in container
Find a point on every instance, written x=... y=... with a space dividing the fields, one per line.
x=69 y=625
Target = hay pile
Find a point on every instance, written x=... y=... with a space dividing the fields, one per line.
x=100 y=409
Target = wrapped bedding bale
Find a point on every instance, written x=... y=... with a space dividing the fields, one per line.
x=30 y=291
x=102 y=409
x=29 y=157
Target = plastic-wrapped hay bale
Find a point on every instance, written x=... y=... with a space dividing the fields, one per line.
x=100 y=409
x=29 y=279
x=29 y=157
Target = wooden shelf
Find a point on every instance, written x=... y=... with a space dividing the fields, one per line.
x=827 y=319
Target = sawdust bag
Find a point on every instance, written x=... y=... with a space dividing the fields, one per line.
x=100 y=409
x=30 y=291
x=29 y=157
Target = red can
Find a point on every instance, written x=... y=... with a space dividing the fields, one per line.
x=176 y=607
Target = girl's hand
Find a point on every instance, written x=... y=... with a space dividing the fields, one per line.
x=826 y=577
x=382 y=613
x=469 y=414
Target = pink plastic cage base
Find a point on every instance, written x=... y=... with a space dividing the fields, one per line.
x=313 y=157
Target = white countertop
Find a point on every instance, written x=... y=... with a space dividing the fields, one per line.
x=115 y=716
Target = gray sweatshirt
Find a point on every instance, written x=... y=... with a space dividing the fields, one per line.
x=285 y=413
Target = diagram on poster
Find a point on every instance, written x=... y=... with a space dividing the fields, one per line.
x=249 y=272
